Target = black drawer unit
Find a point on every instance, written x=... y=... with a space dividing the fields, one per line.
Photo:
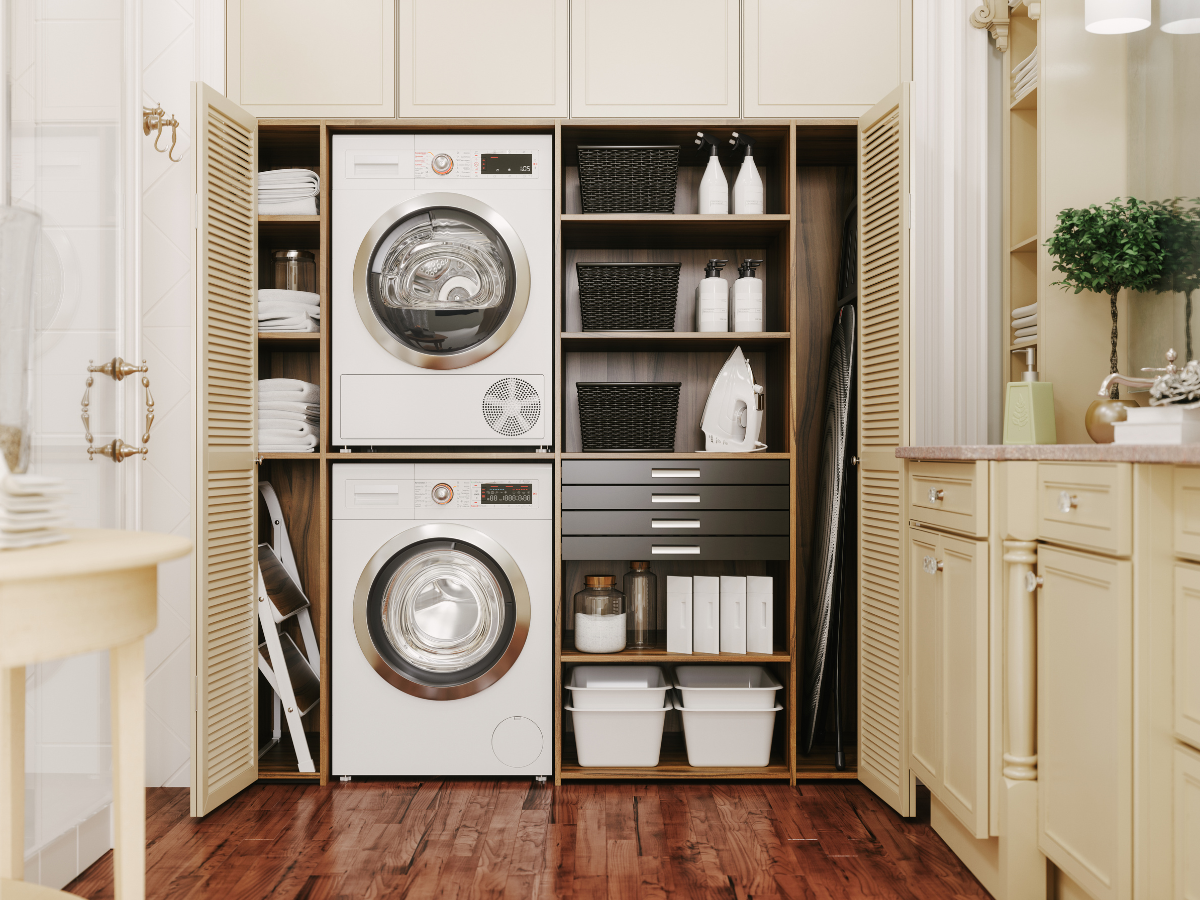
x=674 y=496
x=675 y=523
x=651 y=548
x=658 y=471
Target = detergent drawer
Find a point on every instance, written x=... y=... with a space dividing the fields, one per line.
x=675 y=496
x=675 y=522
x=680 y=548
x=667 y=471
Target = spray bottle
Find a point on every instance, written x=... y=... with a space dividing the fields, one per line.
x=712 y=299
x=714 y=188
x=748 y=188
x=748 y=297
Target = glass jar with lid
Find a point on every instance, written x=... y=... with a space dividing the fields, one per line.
x=599 y=616
x=296 y=270
x=641 y=603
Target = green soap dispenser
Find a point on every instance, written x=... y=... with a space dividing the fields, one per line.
x=1029 y=408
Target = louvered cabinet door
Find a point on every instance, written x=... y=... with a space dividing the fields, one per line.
x=225 y=673
x=883 y=410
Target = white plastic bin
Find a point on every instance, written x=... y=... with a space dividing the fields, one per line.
x=728 y=737
x=618 y=687
x=726 y=687
x=624 y=738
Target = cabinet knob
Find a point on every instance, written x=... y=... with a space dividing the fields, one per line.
x=936 y=494
x=1032 y=582
x=931 y=565
x=1067 y=502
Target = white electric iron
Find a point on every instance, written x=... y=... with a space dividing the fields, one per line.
x=733 y=413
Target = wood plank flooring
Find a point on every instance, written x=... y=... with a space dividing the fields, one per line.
x=517 y=839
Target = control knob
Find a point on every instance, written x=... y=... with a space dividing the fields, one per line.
x=442 y=164
x=442 y=494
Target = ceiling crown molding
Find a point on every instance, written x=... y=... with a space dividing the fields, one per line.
x=993 y=15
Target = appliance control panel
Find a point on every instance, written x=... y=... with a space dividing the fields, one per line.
x=476 y=164
x=458 y=494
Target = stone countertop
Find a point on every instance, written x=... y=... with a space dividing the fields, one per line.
x=1176 y=454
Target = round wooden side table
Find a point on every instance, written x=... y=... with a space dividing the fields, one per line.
x=96 y=591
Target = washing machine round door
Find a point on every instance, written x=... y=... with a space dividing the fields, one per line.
x=441 y=612
x=441 y=281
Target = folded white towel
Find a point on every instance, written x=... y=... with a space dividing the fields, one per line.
x=277 y=176
x=1025 y=311
x=306 y=207
x=1031 y=331
x=286 y=439
x=31 y=539
x=1029 y=77
x=1019 y=342
x=277 y=415
x=288 y=389
x=1025 y=321
x=282 y=195
x=273 y=309
x=294 y=426
x=278 y=295
x=298 y=325
x=1018 y=70
x=288 y=406
x=33 y=485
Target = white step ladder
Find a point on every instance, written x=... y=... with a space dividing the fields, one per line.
x=292 y=673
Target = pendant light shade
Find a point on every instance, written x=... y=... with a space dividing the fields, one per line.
x=1180 y=16
x=1116 y=16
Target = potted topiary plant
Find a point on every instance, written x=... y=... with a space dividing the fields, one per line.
x=1105 y=249
x=1179 y=237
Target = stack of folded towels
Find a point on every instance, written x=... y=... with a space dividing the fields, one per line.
x=1024 y=323
x=1024 y=76
x=32 y=510
x=288 y=192
x=289 y=416
x=280 y=310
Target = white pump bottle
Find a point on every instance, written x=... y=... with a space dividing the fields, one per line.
x=714 y=187
x=748 y=188
x=748 y=298
x=712 y=299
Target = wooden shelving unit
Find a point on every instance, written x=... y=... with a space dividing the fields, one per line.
x=1020 y=205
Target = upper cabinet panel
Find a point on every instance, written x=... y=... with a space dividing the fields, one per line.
x=813 y=58
x=492 y=60
x=312 y=58
x=655 y=59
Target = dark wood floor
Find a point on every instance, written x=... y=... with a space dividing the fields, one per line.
x=515 y=839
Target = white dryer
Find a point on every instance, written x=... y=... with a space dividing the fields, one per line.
x=442 y=611
x=442 y=294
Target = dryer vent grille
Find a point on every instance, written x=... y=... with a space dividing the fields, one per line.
x=512 y=406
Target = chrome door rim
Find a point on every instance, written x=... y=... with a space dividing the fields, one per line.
x=470 y=355
x=453 y=533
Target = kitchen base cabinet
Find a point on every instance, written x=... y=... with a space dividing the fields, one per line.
x=1187 y=823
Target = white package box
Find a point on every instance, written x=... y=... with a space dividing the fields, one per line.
x=706 y=614
x=679 y=614
x=760 y=614
x=733 y=614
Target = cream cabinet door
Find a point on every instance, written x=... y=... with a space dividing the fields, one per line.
x=1187 y=653
x=312 y=58
x=655 y=58
x=476 y=72
x=949 y=603
x=1187 y=823
x=1085 y=719
x=816 y=58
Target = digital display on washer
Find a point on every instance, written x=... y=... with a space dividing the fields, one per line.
x=506 y=494
x=506 y=163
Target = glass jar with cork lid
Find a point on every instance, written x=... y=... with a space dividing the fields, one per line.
x=599 y=616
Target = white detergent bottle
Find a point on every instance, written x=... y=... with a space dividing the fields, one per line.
x=748 y=187
x=748 y=298
x=712 y=299
x=714 y=187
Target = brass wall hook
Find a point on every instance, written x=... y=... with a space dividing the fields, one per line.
x=155 y=119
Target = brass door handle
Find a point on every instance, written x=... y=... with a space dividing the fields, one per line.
x=116 y=450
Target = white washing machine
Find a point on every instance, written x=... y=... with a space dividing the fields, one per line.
x=442 y=295
x=442 y=618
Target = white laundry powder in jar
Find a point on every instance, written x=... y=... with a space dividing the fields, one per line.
x=599 y=634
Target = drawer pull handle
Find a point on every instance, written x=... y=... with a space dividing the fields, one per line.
x=674 y=473
x=674 y=498
x=680 y=550
x=674 y=523
x=1067 y=502
x=931 y=565
x=936 y=494
x=1032 y=582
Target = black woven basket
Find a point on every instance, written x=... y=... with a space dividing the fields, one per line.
x=628 y=416
x=628 y=179
x=628 y=296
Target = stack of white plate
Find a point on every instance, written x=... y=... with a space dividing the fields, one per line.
x=32 y=511
x=618 y=713
x=728 y=714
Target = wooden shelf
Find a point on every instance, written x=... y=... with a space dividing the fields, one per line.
x=456 y=455
x=288 y=220
x=671 y=340
x=279 y=763
x=1029 y=101
x=316 y=454
x=672 y=764
x=660 y=654
x=653 y=230
x=697 y=455
x=818 y=765
x=1028 y=245
x=290 y=340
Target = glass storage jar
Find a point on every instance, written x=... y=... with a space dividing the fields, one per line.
x=295 y=270
x=641 y=607
x=599 y=616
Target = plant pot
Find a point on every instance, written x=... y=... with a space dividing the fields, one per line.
x=1101 y=415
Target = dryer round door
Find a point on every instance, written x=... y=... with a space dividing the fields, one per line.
x=441 y=612
x=441 y=281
